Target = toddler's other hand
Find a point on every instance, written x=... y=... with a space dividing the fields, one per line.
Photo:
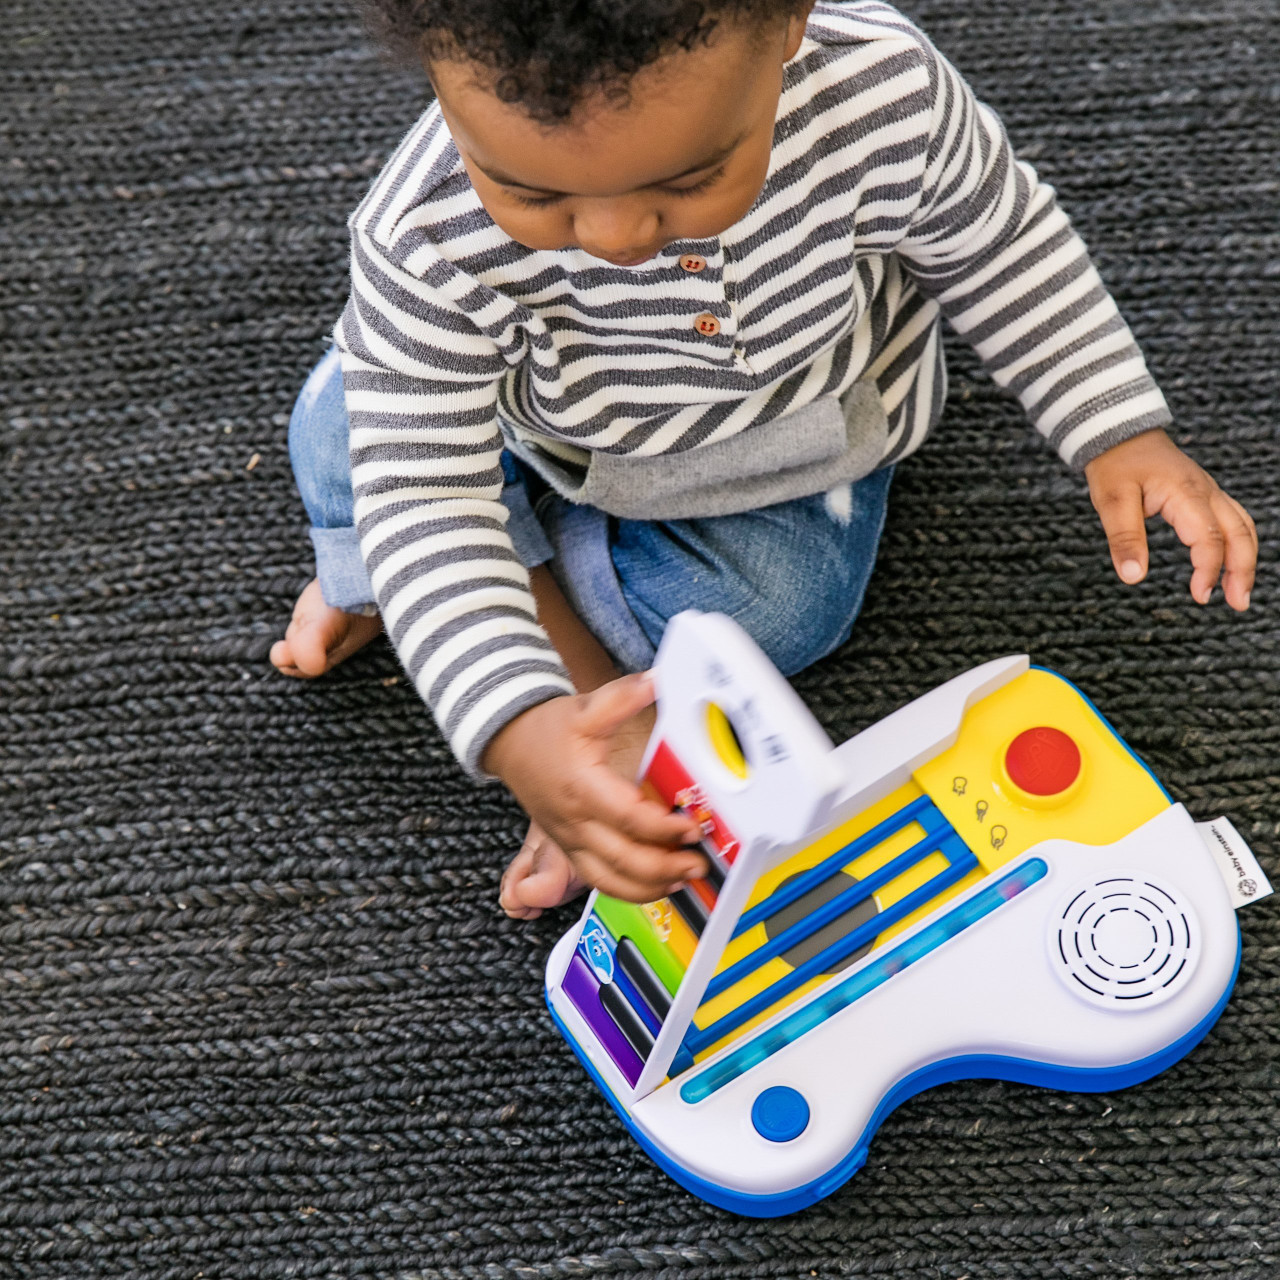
x=1149 y=475
x=555 y=757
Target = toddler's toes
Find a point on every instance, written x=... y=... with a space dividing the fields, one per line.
x=282 y=658
x=518 y=870
x=302 y=652
x=350 y=634
x=310 y=639
x=539 y=876
x=320 y=636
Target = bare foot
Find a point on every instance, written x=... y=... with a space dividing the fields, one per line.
x=320 y=636
x=541 y=876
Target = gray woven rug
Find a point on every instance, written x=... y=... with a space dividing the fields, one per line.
x=259 y=1013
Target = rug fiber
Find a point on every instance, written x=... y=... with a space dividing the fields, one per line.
x=259 y=1013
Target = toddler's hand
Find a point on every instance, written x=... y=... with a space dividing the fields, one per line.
x=1149 y=475
x=555 y=757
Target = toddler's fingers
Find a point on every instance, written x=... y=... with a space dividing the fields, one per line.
x=624 y=806
x=652 y=865
x=627 y=869
x=1124 y=523
x=609 y=707
x=1197 y=528
x=603 y=877
x=1241 y=550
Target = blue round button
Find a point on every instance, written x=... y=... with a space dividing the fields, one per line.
x=780 y=1114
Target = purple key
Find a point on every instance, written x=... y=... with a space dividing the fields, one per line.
x=583 y=990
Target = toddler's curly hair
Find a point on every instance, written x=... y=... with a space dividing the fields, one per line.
x=547 y=55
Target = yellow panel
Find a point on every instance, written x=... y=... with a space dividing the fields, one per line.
x=927 y=908
x=682 y=940
x=886 y=851
x=776 y=969
x=1115 y=793
x=811 y=855
x=838 y=837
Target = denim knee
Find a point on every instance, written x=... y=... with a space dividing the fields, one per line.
x=793 y=576
x=805 y=606
x=798 y=619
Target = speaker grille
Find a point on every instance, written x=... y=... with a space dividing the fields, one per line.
x=1125 y=941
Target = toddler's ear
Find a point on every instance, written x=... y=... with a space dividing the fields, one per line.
x=795 y=29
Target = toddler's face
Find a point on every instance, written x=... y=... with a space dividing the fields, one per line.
x=683 y=158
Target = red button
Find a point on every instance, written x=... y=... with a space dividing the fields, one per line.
x=1043 y=761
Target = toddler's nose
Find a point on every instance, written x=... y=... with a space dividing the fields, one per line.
x=617 y=231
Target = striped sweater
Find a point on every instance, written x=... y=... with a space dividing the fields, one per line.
x=892 y=197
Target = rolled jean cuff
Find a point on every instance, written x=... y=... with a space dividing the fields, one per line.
x=585 y=572
x=527 y=536
x=344 y=580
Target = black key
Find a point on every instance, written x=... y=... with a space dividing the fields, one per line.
x=715 y=872
x=645 y=981
x=616 y=1006
x=689 y=905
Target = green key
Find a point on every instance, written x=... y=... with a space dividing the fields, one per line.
x=626 y=919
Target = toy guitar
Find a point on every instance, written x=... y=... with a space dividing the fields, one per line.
x=987 y=883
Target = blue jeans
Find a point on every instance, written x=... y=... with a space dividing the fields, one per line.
x=792 y=575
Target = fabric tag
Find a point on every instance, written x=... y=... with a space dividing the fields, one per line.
x=1241 y=873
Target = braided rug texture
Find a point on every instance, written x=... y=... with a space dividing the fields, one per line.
x=260 y=1015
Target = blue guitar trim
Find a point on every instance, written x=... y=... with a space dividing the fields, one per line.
x=965 y=1067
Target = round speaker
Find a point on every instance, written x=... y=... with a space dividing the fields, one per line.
x=1125 y=941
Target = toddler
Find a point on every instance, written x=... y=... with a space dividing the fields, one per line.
x=643 y=311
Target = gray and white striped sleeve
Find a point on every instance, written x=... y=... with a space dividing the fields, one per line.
x=990 y=243
x=421 y=378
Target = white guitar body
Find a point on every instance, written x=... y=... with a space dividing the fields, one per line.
x=886 y=916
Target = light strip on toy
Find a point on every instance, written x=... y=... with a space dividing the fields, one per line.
x=839 y=997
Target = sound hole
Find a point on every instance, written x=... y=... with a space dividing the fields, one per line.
x=815 y=943
x=725 y=741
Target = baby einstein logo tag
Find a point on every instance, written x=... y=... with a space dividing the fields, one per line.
x=1234 y=859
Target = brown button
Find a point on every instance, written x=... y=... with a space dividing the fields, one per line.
x=707 y=325
x=692 y=262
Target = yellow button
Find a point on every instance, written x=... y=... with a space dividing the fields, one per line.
x=692 y=261
x=707 y=325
